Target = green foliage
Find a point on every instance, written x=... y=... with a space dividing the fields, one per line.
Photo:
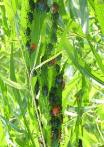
x=80 y=40
x=99 y=9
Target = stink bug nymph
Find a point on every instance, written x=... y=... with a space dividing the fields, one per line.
x=59 y=79
x=30 y=16
x=27 y=31
x=32 y=5
x=55 y=110
x=50 y=46
x=55 y=8
x=33 y=46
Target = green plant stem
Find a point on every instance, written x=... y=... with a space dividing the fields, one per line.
x=38 y=117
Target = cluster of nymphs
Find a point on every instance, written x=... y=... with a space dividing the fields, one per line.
x=54 y=94
x=41 y=6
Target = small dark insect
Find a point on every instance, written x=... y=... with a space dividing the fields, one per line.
x=30 y=16
x=27 y=31
x=52 y=62
x=54 y=96
x=33 y=46
x=42 y=6
x=54 y=100
x=32 y=5
x=55 y=8
x=50 y=46
x=55 y=16
x=56 y=122
x=59 y=79
x=55 y=134
x=53 y=91
x=45 y=90
x=55 y=111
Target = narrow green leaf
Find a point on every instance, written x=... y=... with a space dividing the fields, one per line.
x=12 y=83
x=97 y=56
x=12 y=69
x=99 y=10
x=80 y=64
x=79 y=10
x=92 y=3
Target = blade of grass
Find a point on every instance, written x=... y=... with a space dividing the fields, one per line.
x=80 y=64
x=11 y=83
x=99 y=10
x=97 y=56
x=18 y=96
